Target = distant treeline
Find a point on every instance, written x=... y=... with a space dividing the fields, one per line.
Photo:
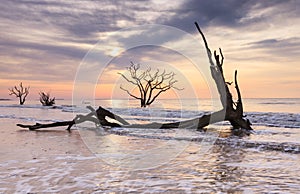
x=5 y=99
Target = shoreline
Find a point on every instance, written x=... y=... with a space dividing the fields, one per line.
x=56 y=161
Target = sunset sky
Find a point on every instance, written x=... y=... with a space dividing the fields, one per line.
x=44 y=42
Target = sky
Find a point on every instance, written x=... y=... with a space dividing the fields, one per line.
x=45 y=43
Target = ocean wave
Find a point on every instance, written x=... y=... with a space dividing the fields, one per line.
x=288 y=103
x=286 y=120
x=32 y=119
x=22 y=106
x=174 y=134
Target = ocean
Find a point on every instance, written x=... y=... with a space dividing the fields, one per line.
x=96 y=160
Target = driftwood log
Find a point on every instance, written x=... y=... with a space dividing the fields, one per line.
x=232 y=111
x=78 y=119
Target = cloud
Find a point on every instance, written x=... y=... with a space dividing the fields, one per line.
x=285 y=50
x=271 y=43
x=70 y=51
x=38 y=37
x=58 y=31
x=216 y=12
x=231 y=13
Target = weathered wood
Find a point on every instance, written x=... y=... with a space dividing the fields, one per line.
x=102 y=113
x=56 y=124
x=78 y=119
x=233 y=110
x=196 y=123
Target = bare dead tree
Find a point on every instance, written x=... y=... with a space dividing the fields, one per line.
x=150 y=84
x=46 y=100
x=232 y=111
x=20 y=92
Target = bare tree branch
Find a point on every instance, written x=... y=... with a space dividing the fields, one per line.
x=127 y=79
x=239 y=103
x=129 y=93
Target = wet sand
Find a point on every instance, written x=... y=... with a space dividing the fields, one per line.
x=43 y=161
x=54 y=161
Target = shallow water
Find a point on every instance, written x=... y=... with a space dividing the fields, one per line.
x=152 y=161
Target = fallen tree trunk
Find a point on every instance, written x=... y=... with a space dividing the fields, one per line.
x=56 y=124
x=99 y=118
x=231 y=111
x=78 y=119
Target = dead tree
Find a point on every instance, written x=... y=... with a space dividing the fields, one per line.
x=150 y=85
x=46 y=100
x=232 y=111
x=20 y=92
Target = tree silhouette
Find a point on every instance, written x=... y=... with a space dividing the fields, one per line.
x=150 y=84
x=20 y=92
x=46 y=100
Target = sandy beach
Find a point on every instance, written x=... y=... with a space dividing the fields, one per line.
x=55 y=161
x=46 y=161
